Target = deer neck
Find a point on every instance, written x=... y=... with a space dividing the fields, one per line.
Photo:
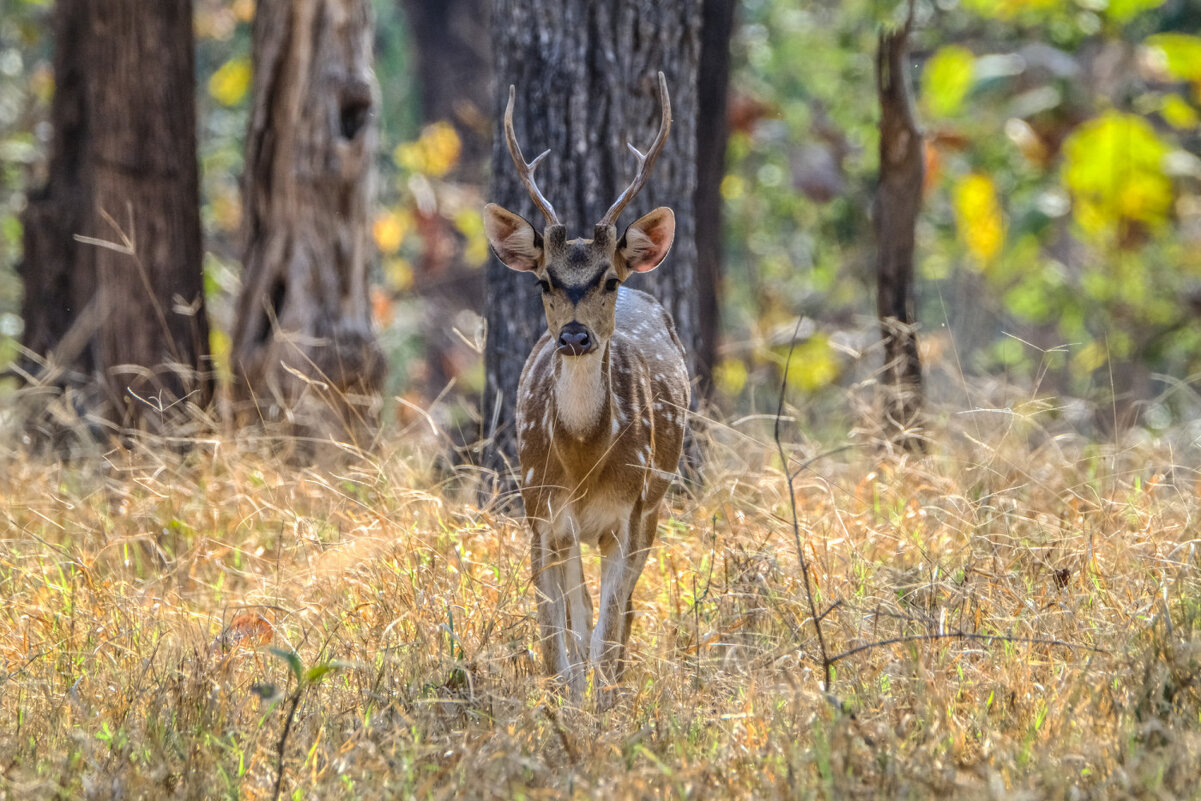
x=582 y=389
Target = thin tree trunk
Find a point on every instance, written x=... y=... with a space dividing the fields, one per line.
x=452 y=42
x=897 y=203
x=586 y=85
x=304 y=347
x=114 y=293
x=55 y=290
x=713 y=133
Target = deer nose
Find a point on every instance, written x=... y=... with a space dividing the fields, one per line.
x=576 y=340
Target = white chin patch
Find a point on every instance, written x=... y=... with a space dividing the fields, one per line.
x=579 y=391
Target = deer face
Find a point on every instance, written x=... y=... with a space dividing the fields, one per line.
x=579 y=278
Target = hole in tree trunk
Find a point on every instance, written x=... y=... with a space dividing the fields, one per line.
x=353 y=112
x=278 y=293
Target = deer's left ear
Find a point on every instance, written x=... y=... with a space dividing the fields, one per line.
x=645 y=243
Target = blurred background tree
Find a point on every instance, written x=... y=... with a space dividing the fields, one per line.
x=304 y=345
x=1058 y=249
x=113 y=308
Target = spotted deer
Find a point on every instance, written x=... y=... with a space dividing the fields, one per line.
x=601 y=408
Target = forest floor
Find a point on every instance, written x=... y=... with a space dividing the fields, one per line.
x=186 y=625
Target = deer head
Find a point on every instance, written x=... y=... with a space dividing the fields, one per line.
x=580 y=277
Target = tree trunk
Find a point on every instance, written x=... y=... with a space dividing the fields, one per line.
x=713 y=133
x=898 y=200
x=586 y=83
x=113 y=286
x=304 y=347
x=56 y=287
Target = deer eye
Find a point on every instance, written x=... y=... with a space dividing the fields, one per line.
x=545 y=287
x=611 y=285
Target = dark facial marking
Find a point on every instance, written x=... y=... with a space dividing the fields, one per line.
x=576 y=292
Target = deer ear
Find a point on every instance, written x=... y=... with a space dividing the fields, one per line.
x=513 y=240
x=645 y=243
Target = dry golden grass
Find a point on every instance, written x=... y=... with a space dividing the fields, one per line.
x=409 y=610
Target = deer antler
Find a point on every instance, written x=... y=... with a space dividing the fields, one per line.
x=645 y=163
x=526 y=170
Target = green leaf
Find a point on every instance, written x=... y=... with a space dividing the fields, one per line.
x=1010 y=9
x=946 y=80
x=293 y=660
x=1121 y=11
x=317 y=672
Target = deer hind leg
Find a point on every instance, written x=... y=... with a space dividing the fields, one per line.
x=649 y=525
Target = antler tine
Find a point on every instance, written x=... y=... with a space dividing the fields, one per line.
x=526 y=170
x=645 y=163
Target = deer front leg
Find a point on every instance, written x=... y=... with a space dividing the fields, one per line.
x=624 y=557
x=649 y=526
x=564 y=608
x=552 y=607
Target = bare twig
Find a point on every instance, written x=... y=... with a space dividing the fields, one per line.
x=827 y=665
x=964 y=635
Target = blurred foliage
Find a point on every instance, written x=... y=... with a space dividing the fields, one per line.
x=1059 y=244
x=26 y=85
x=1060 y=239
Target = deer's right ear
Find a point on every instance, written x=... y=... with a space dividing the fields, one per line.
x=513 y=240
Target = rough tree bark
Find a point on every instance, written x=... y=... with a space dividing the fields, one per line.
x=114 y=299
x=304 y=349
x=586 y=85
x=897 y=203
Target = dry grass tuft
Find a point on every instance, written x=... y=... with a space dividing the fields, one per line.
x=180 y=624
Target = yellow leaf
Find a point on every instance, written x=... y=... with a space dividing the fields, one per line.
x=220 y=349
x=1089 y=358
x=732 y=187
x=1113 y=168
x=389 y=231
x=229 y=84
x=1179 y=53
x=978 y=216
x=244 y=10
x=471 y=225
x=399 y=273
x=813 y=364
x=227 y=209
x=434 y=154
x=730 y=376
x=1179 y=114
x=947 y=79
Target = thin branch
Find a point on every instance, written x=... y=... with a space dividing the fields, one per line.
x=965 y=635
x=796 y=526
